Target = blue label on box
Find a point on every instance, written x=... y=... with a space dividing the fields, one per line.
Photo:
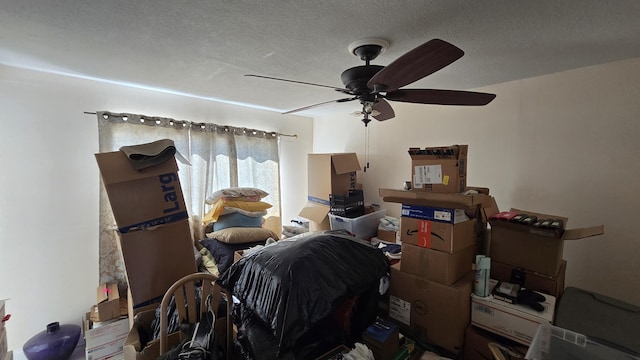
x=429 y=213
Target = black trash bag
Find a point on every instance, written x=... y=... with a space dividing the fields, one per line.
x=296 y=283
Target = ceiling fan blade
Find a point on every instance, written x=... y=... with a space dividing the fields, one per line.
x=414 y=65
x=346 y=91
x=319 y=104
x=441 y=97
x=384 y=109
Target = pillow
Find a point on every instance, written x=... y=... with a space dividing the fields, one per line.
x=240 y=235
x=218 y=208
x=236 y=192
x=237 y=220
x=223 y=253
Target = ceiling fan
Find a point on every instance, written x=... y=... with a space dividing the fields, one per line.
x=374 y=85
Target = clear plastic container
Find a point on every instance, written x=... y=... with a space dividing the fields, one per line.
x=555 y=343
x=363 y=227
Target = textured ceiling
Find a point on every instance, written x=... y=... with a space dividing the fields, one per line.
x=204 y=48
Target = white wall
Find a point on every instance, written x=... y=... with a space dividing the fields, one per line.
x=49 y=184
x=564 y=144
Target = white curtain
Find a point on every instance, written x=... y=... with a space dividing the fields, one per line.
x=219 y=157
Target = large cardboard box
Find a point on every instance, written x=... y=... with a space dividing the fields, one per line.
x=435 y=313
x=331 y=174
x=513 y=321
x=439 y=169
x=437 y=235
x=439 y=266
x=532 y=248
x=152 y=219
x=553 y=285
x=476 y=345
x=107 y=340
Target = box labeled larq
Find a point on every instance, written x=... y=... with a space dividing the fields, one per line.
x=153 y=225
x=439 y=169
x=530 y=247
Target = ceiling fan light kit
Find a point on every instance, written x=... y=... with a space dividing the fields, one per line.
x=374 y=85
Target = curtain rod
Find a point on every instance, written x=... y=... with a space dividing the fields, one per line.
x=279 y=134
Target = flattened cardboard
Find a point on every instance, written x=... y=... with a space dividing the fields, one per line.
x=450 y=170
x=437 y=235
x=452 y=201
x=331 y=174
x=439 y=266
x=532 y=248
x=553 y=285
x=435 y=313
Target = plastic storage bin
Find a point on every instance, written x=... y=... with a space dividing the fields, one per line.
x=555 y=343
x=363 y=227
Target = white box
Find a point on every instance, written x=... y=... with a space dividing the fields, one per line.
x=513 y=321
x=363 y=227
x=106 y=340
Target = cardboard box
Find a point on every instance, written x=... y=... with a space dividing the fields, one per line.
x=513 y=321
x=434 y=313
x=439 y=266
x=451 y=216
x=318 y=216
x=532 y=248
x=152 y=219
x=108 y=303
x=133 y=348
x=107 y=340
x=439 y=169
x=9 y=356
x=331 y=174
x=452 y=201
x=141 y=329
x=386 y=235
x=437 y=235
x=553 y=285
x=476 y=345
x=382 y=338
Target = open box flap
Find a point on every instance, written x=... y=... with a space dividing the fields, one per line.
x=314 y=212
x=345 y=163
x=576 y=234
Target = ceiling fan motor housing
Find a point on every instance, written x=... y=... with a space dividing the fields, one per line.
x=356 y=78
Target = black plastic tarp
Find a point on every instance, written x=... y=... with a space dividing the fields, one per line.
x=296 y=283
